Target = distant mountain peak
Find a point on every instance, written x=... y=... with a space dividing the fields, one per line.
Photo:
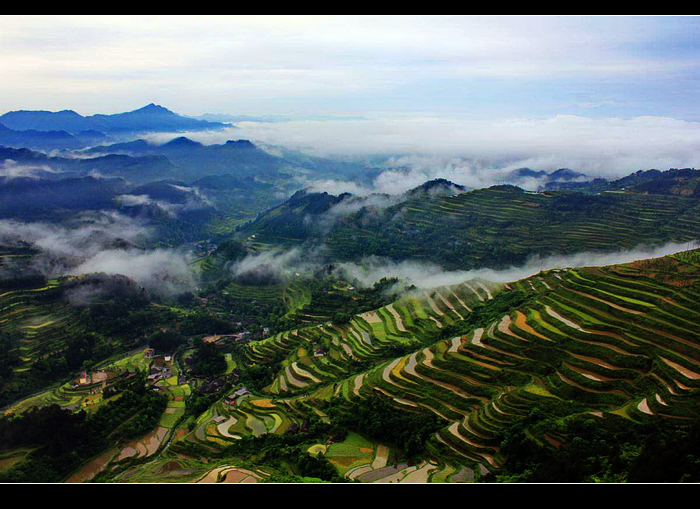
x=150 y=118
x=240 y=144
x=70 y=112
x=182 y=141
x=154 y=108
x=438 y=186
x=565 y=174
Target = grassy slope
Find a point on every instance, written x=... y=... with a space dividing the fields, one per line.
x=612 y=342
x=500 y=226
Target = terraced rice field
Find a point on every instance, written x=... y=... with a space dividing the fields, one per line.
x=41 y=317
x=84 y=397
x=502 y=226
x=368 y=337
x=617 y=342
x=610 y=341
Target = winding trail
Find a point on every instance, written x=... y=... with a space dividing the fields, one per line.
x=224 y=427
x=397 y=317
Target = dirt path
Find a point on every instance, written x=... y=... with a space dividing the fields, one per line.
x=380 y=457
x=292 y=380
x=225 y=426
x=455 y=343
x=692 y=375
x=358 y=384
x=488 y=293
x=461 y=302
x=397 y=317
x=304 y=373
x=563 y=320
x=432 y=304
x=476 y=338
x=474 y=291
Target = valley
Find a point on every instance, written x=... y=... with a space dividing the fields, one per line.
x=177 y=311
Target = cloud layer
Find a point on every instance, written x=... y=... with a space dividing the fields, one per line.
x=102 y=242
x=426 y=275
x=478 y=153
x=300 y=262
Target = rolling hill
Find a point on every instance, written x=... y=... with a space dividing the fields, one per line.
x=495 y=227
x=614 y=347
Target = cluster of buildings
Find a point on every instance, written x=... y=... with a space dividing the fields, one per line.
x=239 y=337
x=97 y=381
x=161 y=367
x=231 y=398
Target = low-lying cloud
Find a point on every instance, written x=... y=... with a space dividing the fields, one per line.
x=428 y=275
x=275 y=266
x=477 y=153
x=105 y=242
x=162 y=271
x=599 y=146
x=271 y=267
x=84 y=237
x=189 y=199
x=12 y=169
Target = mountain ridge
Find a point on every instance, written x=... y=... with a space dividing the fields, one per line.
x=151 y=117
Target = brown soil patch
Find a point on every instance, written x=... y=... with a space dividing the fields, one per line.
x=521 y=323
x=170 y=466
x=263 y=403
x=93 y=468
x=578 y=386
x=684 y=371
x=235 y=476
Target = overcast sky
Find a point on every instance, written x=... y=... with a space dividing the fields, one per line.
x=370 y=66
x=607 y=95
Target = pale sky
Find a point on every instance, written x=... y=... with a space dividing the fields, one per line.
x=377 y=67
x=607 y=95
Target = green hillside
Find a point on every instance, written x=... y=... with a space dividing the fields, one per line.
x=497 y=382
x=586 y=374
x=494 y=227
